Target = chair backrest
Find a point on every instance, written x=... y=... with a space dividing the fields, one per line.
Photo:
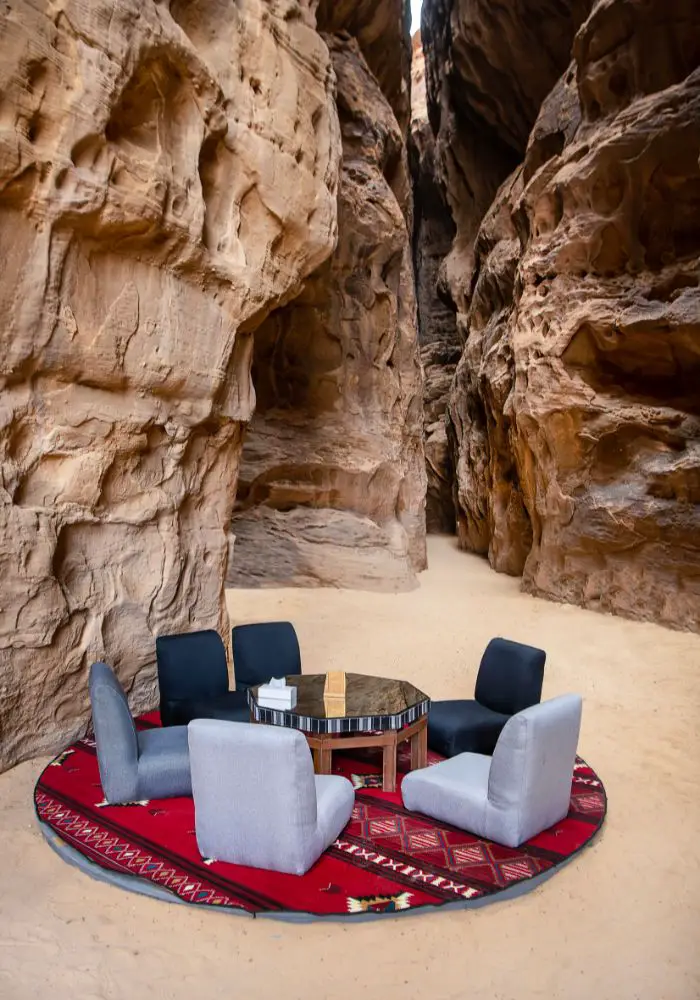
x=263 y=650
x=510 y=676
x=191 y=665
x=254 y=791
x=115 y=735
x=532 y=765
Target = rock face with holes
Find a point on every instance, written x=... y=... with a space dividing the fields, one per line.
x=381 y=29
x=168 y=174
x=488 y=67
x=576 y=410
x=332 y=482
x=440 y=346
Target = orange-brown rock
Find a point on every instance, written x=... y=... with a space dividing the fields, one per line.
x=487 y=69
x=332 y=483
x=576 y=411
x=168 y=174
x=381 y=29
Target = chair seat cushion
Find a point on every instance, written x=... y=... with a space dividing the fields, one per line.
x=454 y=791
x=232 y=706
x=335 y=798
x=463 y=726
x=164 y=763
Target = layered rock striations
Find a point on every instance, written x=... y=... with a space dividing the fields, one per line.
x=332 y=483
x=575 y=410
x=168 y=174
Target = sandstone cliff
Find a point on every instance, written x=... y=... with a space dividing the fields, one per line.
x=332 y=483
x=488 y=68
x=168 y=174
x=575 y=411
x=381 y=29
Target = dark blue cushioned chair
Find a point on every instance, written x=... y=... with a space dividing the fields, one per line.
x=193 y=680
x=509 y=681
x=264 y=650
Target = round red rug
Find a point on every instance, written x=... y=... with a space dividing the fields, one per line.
x=387 y=860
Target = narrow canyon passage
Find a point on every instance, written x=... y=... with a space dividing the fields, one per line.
x=557 y=318
x=285 y=287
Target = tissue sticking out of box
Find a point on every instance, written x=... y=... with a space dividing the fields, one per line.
x=277 y=694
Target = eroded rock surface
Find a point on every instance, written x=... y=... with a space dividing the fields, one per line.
x=433 y=233
x=168 y=173
x=381 y=29
x=332 y=484
x=576 y=410
x=489 y=66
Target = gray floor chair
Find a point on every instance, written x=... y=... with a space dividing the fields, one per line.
x=514 y=795
x=257 y=801
x=153 y=764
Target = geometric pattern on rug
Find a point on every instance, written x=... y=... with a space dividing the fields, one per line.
x=386 y=860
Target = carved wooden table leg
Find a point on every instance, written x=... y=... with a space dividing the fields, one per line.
x=419 y=746
x=324 y=759
x=389 y=763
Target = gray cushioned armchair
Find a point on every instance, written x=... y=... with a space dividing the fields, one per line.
x=153 y=764
x=514 y=795
x=257 y=801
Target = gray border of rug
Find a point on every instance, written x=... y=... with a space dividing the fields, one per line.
x=143 y=887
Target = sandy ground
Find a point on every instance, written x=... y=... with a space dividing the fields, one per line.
x=622 y=921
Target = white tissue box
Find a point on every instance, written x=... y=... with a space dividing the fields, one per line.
x=276 y=696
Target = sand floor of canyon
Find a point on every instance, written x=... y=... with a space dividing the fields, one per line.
x=620 y=922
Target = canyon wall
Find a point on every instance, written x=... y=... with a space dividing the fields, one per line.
x=487 y=69
x=168 y=175
x=332 y=479
x=574 y=415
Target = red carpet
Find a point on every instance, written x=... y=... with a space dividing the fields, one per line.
x=386 y=860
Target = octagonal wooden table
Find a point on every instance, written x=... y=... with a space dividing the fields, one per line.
x=376 y=712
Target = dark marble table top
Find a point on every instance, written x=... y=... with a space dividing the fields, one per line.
x=370 y=703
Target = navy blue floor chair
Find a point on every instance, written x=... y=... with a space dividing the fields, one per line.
x=509 y=681
x=263 y=650
x=193 y=680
